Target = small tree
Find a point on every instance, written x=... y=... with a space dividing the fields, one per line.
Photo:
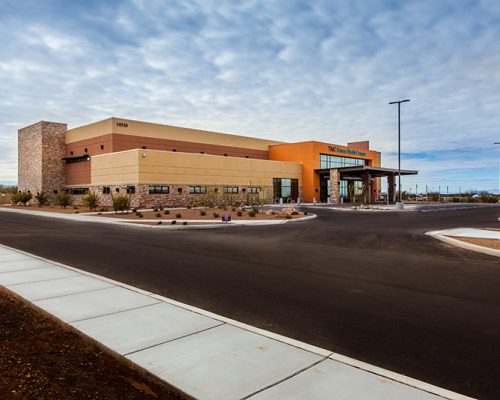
x=121 y=203
x=91 y=200
x=41 y=198
x=64 y=198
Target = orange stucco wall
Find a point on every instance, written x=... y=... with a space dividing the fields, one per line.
x=308 y=153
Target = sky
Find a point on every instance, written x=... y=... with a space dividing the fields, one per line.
x=284 y=70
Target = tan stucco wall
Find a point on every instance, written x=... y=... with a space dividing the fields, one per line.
x=166 y=167
x=115 y=168
x=146 y=129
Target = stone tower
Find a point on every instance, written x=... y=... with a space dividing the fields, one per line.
x=41 y=150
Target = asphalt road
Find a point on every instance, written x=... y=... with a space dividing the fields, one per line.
x=367 y=285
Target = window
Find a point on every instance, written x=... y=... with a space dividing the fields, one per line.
x=254 y=190
x=130 y=189
x=86 y=150
x=144 y=147
x=197 y=189
x=106 y=190
x=117 y=190
x=231 y=189
x=286 y=188
x=78 y=191
x=328 y=161
x=102 y=147
x=179 y=190
x=159 y=189
x=55 y=191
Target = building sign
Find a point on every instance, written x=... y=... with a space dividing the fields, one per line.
x=122 y=124
x=336 y=149
x=226 y=218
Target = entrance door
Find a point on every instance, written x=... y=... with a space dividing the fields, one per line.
x=324 y=188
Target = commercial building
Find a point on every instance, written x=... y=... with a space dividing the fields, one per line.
x=165 y=165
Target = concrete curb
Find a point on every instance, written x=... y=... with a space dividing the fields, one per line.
x=325 y=354
x=464 y=245
x=166 y=224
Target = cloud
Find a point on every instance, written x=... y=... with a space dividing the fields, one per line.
x=322 y=70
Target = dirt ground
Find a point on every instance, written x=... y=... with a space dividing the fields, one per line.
x=491 y=243
x=40 y=360
x=195 y=214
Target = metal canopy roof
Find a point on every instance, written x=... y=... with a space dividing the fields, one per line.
x=360 y=170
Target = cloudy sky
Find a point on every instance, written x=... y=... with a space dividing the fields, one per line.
x=286 y=70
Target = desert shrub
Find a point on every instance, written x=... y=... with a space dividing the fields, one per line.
x=239 y=213
x=233 y=209
x=288 y=216
x=41 y=198
x=252 y=213
x=189 y=206
x=155 y=209
x=16 y=198
x=158 y=223
x=295 y=213
x=306 y=213
x=77 y=212
x=173 y=222
x=203 y=213
x=102 y=209
x=160 y=208
x=121 y=203
x=21 y=197
x=134 y=210
x=488 y=198
x=167 y=212
x=184 y=223
x=91 y=200
x=158 y=215
x=216 y=215
x=178 y=215
x=139 y=214
x=75 y=207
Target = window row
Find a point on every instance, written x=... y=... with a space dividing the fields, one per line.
x=328 y=161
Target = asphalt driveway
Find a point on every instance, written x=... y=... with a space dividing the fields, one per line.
x=367 y=285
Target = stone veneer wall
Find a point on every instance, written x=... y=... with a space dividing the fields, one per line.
x=40 y=152
x=142 y=198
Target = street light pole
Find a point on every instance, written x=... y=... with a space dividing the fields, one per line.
x=399 y=144
x=498 y=171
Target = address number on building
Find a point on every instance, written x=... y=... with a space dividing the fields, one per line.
x=122 y=124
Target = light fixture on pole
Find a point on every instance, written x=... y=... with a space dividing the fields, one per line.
x=399 y=145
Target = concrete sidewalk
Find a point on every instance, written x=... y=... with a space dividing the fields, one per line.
x=449 y=235
x=204 y=355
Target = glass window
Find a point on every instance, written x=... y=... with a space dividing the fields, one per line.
x=328 y=161
x=231 y=189
x=159 y=189
x=197 y=189
x=130 y=189
x=254 y=190
x=106 y=190
x=79 y=191
x=286 y=188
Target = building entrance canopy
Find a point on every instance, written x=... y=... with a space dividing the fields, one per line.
x=364 y=173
